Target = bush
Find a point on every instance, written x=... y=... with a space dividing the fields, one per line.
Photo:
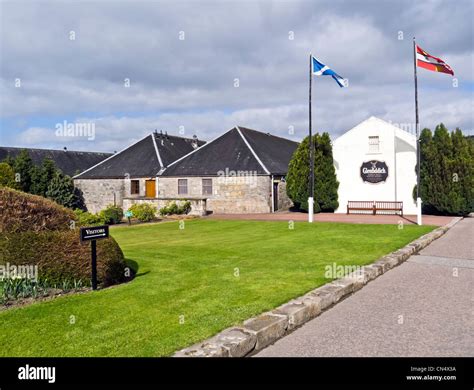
x=85 y=218
x=144 y=212
x=185 y=208
x=24 y=212
x=173 y=208
x=7 y=175
x=60 y=256
x=37 y=231
x=112 y=214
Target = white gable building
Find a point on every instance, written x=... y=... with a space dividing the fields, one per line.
x=375 y=161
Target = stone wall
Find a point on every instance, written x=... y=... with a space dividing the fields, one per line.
x=240 y=194
x=284 y=202
x=233 y=194
x=99 y=193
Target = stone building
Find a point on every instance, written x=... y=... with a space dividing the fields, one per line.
x=241 y=171
x=375 y=162
x=131 y=173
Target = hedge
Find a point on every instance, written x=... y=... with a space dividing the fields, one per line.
x=37 y=231
x=25 y=212
x=59 y=255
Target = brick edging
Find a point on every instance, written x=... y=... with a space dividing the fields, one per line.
x=259 y=332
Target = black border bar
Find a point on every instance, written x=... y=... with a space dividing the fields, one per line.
x=290 y=371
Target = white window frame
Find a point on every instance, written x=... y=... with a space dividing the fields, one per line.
x=207 y=186
x=374 y=147
x=180 y=186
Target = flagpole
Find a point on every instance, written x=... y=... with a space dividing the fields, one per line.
x=417 y=126
x=311 y=147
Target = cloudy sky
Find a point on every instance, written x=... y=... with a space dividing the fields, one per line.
x=201 y=67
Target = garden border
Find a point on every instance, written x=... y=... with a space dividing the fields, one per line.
x=259 y=332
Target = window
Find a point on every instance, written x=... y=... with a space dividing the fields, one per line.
x=182 y=186
x=374 y=144
x=207 y=186
x=135 y=187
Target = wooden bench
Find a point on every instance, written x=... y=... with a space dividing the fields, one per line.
x=374 y=206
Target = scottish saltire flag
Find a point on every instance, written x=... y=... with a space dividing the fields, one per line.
x=319 y=69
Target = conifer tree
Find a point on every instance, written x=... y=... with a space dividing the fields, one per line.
x=22 y=166
x=325 y=181
x=447 y=172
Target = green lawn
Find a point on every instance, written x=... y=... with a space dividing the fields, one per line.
x=189 y=274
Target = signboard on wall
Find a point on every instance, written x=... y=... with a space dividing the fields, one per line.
x=374 y=171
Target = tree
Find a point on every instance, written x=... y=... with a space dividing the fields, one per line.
x=446 y=172
x=61 y=190
x=42 y=176
x=326 y=184
x=325 y=181
x=7 y=175
x=9 y=160
x=22 y=167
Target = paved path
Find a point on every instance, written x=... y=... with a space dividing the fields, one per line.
x=420 y=308
x=331 y=217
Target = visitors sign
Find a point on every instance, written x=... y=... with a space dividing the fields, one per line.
x=93 y=234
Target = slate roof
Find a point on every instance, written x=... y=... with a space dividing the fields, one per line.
x=68 y=161
x=144 y=158
x=239 y=149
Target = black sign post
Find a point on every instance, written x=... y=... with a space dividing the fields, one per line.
x=93 y=234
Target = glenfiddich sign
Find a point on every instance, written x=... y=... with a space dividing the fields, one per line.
x=374 y=171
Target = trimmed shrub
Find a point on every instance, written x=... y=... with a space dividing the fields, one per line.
x=174 y=208
x=37 y=231
x=185 y=208
x=85 y=218
x=112 y=214
x=59 y=255
x=25 y=212
x=144 y=212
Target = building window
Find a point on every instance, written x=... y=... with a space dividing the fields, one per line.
x=374 y=144
x=182 y=186
x=135 y=187
x=207 y=186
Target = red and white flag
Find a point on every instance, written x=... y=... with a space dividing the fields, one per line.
x=427 y=61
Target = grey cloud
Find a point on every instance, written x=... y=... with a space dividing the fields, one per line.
x=177 y=81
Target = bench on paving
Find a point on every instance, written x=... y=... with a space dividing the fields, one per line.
x=374 y=205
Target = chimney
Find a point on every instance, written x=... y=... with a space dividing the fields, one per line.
x=194 y=142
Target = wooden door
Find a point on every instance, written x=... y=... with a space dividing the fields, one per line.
x=150 y=189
